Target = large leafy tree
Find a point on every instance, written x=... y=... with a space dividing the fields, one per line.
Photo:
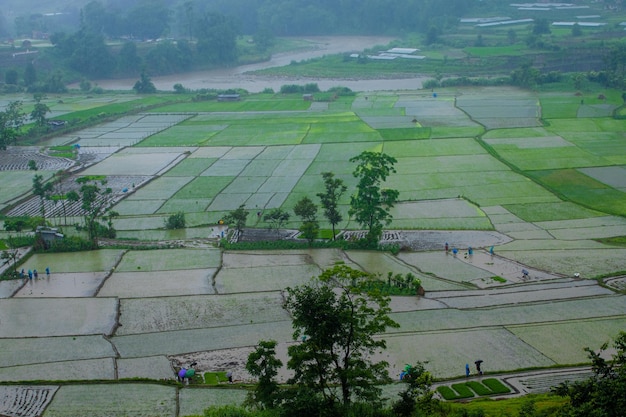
x=334 y=189
x=128 y=61
x=337 y=323
x=38 y=114
x=144 y=85
x=11 y=122
x=371 y=203
x=307 y=210
x=217 y=39
x=149 y=19
x=263 y=364
x=237 y=218
x=276 y=218
x=604 y=394
x=417 y=394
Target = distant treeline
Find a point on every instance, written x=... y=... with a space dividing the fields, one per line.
x=147 y=19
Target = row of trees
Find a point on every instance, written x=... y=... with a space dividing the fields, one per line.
x=154 y=19
x=86 y=51
x=93 y=196
x=370 y=205
x=13 y=118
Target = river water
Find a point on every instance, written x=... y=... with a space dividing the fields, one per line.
x=239 y=77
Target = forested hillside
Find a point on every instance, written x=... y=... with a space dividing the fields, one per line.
x=152 y=19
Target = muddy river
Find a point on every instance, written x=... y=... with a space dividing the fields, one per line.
x=238 y=77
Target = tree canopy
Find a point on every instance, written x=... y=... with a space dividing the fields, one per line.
x=371 y=203
x=334 y=189
x=604 y=394
x=237 y=218
x=337 y=323
x=11 y=122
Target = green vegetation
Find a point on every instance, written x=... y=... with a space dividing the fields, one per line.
x=335 y=323
x=175 y=221
x=485 y=387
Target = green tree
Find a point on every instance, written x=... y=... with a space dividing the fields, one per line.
x=90 y=54
x=604 y=394
x=149 y=19
x=11 y=122
x=511 y=35
x=16 y=224
x=263 y=365
x=615 y=64
x=371 y=204
x=216 y=39
x=176 y=221
x=95 y=199
x=238 y=219
x=432 y=36
x=11 y=254
x=307 y=210
x=525 y=76
x=417 y=394
x=128 y=61
x=336 y=322
x=188 y=18
x=11 y=77
x=43 y=190
x=30 y=74
x=263 y=39
x=59 y=178
x=144 y=85
x=541 y=27
x=276 y=218
x=334 y=189
x=577 y=30
x=38 y=114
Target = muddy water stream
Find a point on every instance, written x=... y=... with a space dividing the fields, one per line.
x=239 y=77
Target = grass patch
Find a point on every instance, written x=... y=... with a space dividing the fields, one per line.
x=496 y=386
x=545 y=404
x=498 y=279
x=579 y=188
x=448 y=393
x=214 y=378
x=463 y=390
x=455 y=392
x=540 y=212
x=405 y=133
x=614 y=241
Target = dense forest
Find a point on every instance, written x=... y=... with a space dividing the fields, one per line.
x=146 y=19
x=115 y=39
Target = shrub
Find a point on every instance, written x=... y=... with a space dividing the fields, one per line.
x=227 y=411
x=70 y=244
x=291 y=89
x=175 y=221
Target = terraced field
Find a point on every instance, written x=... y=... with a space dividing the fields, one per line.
x=476 y=168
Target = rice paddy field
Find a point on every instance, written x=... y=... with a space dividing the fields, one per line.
x=531 y=181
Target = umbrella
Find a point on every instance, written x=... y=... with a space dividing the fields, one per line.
x=182 y=373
